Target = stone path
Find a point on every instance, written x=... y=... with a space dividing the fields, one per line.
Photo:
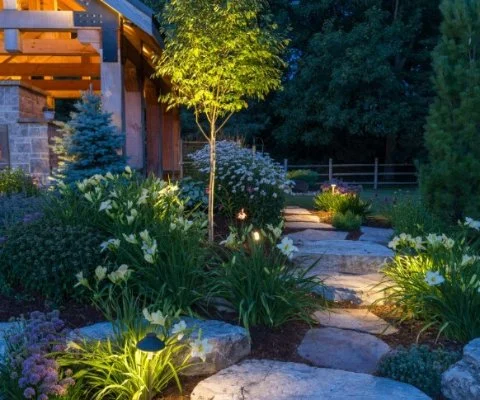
x=354 y=319
x=343 y=349
x=349 y=269
x=275 y=380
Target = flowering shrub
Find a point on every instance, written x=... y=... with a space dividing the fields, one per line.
x=28 y=367
x=115 y=368
x=246 y=180
x=16 y=181
x=436 y=278
x=259 y=281
x=340 y=187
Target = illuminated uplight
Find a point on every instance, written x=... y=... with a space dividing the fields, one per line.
x=256 y=236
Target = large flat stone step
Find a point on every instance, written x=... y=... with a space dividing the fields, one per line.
x=346 y=256
x=363 y=289
x=276 y=380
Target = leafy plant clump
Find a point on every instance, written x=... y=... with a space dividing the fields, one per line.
x=347 y=222
x=38 y=258
x=249 y=181
x=14 y=181
x=418 y=366
x=306 y=175
x=341 y=198
x=436 y=279
x=261 y=284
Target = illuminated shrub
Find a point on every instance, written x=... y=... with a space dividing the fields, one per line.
x=16 y=181
x=253 y=182
x=437 y=279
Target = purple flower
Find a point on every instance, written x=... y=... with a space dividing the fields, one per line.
x=29 y=393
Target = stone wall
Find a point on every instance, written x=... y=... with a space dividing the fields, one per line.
x=21 y=110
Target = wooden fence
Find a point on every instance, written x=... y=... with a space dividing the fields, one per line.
x=375 y=174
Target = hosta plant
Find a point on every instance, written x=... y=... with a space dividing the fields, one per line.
x=436 y=279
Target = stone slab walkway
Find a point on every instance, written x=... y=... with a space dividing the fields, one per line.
x=275 y=380
x=343 y=349
x=355 y=319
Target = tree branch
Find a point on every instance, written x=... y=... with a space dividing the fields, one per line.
x=200 y=126
x=223 y=123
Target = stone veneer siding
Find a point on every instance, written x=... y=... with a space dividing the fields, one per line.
x=21 y=109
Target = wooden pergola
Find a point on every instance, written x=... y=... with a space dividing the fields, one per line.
x=64 y=47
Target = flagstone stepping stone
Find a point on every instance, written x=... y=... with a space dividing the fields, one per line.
x=276 y=380
x=355 y=319
x=307 y=225
x=343 y=349
x=301 y=218
x=296 y=211
x=230 y=343
x=310 y=237
x=376 y=235
x=353 y=257
x=364 y=289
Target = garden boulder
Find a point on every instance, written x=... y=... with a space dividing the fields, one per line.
x=462 y=380
x=230 y=343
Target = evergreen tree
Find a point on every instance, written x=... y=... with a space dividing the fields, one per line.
x=451 y=179
x=90 y=144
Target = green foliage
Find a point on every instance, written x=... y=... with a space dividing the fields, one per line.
x=342 y=203
x=40 y=258
x=14 y=181
x=15 y=208
x=437 y=279
x=418 y=366
x=409 y=215
x=360 y=75
x=115 y=369
x=90 y=143
x=260 y=283
x=306 y=175
x=347 y=221
x=193 y=193
x=451 y=179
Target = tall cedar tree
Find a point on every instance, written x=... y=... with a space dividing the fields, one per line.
x=451 y=180
x=90 y=144
x=218 y=54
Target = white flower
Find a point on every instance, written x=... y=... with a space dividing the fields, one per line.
x=81 y=280
x=145 y=236
x=149 y=258
x=447 y=242
x=89 y=197
x=100 y=273
x=130 y=238
x=121 y=274
x=200 y=348
x=130 y=219
x=128 y=170
x=286 y=247
x=155 y=318
x=274 y=195
x=110 y=244
x=179 y=330
x=231 y=241
x=471 y=223
x=106 y=205
x=393 y=244
x=433 y=278
x=109 y=175
x=433 y=240
x=469 y=260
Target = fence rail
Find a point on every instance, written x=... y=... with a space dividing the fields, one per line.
x=379 y=174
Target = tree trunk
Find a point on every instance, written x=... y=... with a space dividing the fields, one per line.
x=211 y=184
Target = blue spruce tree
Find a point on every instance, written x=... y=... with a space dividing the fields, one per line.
x=90 y=144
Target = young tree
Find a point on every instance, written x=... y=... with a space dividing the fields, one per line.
x=90 y=144
x=451 y=180
x=218 y=54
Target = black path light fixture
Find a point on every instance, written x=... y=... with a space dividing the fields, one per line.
x=150 y=344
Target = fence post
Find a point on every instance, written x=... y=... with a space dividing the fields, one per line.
x=375 y=175
x=330 y=169
x=285 y=164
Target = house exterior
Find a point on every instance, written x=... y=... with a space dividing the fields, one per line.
x=55 y=49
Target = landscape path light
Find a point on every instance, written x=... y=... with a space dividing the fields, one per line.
x=151 y=345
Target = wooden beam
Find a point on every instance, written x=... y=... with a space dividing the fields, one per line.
x=37 y=20
x=12 y=41
x=90 y=36
x=65 y=94
x=53 y=47
x=70 y=5
x=50 y=69
x=63 y=85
